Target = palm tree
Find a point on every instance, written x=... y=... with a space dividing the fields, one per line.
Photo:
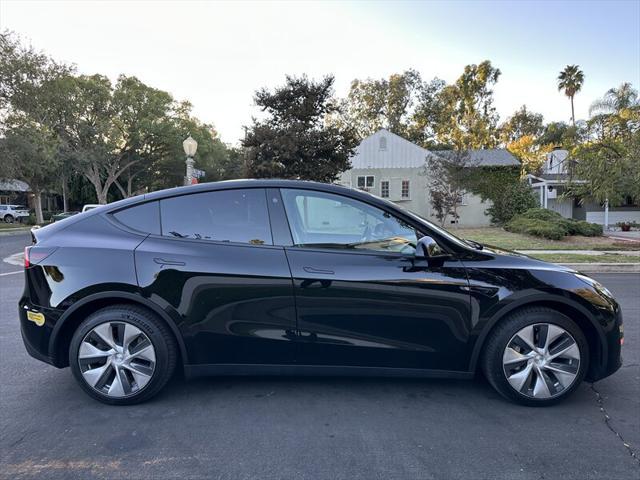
x=570 y=80
x=616 y=101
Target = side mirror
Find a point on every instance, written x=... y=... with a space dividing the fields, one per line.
x=428 y=248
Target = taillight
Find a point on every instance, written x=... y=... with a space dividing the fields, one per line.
x=34 y=255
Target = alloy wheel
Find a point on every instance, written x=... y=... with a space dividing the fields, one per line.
x=541 y=361
x=116 y=359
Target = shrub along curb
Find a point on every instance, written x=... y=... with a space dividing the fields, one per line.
x=541 y=222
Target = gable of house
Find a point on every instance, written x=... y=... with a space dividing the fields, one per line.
x=384 y=149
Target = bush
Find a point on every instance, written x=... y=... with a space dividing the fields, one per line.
x=512 y=199
x=537 y=228
x=542 y=214
x=586 y=229
x=549 y=224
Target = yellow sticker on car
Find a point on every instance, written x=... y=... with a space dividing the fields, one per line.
x=36 y=318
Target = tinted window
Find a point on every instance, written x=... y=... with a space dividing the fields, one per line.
x=224 y=216
x=328 y=220
x=145 y=217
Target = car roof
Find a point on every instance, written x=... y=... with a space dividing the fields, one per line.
x=243 y=183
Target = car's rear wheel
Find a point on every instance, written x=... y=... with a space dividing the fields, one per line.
x=537 y=356
x=122 y=355
x=8 y=218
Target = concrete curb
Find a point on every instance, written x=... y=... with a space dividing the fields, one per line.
x=604 y=267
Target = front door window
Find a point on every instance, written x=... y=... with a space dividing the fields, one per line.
x=325 y=220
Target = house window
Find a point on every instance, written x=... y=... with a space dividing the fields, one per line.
x=383 y=143
x=365 y=182
x=404 y=192
x=384 y=188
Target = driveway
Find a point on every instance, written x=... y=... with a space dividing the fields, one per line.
x=312 y=428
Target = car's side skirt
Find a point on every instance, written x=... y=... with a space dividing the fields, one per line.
x=318 y=370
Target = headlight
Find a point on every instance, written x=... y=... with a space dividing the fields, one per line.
x=601 y=289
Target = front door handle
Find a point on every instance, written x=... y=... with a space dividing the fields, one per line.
x=162 y=261
x=318 y=270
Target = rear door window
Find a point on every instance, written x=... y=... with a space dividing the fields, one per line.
x=223 y=216
x=144 y=218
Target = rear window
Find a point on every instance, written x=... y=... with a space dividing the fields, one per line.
x=144 y=218
x=224 y=216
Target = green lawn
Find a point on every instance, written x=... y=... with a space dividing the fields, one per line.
x=516 y=241
x=573 y=258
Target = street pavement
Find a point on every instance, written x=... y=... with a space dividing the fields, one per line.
x=312 y=428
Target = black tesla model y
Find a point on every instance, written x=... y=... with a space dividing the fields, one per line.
x=288 y=277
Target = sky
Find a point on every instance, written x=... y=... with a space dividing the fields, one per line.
x=216 y=54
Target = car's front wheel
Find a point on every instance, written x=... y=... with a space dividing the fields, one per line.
x=537 y=356
x=8 y=218
x=122 y=355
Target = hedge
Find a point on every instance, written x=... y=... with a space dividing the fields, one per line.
x=541 y=222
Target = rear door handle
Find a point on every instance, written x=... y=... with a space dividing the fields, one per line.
x=162 y=261
x=318 y=270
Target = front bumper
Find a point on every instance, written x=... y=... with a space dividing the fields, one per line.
x=611 y=355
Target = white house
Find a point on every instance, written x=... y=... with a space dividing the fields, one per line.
x=551 y=186
x=392 y=167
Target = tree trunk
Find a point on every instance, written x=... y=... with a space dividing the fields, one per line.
x=65 y=198
x=573 y=116
x=37 y=197
x=129 y=185
x=102 y=195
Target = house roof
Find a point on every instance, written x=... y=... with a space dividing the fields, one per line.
x=9 y=185
x=398 y=152
x=385 y=149
x=493 y=157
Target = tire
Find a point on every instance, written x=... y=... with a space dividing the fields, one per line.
x=114 y=342
x=508 y=359
x=8 y=218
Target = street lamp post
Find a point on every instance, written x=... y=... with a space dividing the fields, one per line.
x=190 y=146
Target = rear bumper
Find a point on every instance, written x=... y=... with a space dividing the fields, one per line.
x=35 y=337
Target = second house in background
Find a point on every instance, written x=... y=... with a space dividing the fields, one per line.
x=392 y=167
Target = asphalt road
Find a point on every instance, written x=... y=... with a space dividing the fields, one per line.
x=312 y=428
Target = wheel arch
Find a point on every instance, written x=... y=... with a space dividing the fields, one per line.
x=576 y=312
x=64 y=328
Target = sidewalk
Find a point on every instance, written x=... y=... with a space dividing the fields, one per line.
x=632 y=253
x=631 y=237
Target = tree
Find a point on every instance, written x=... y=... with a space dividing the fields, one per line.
x=570 y=81
x=30 y=144
x=530 y=153
x=128 y=135
x=401 y=104
x=469 y=119
x=448 y=173
x=295 y=141
x=29 y=153
x=617 y=114
x=610 y=168
x=522 y=123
